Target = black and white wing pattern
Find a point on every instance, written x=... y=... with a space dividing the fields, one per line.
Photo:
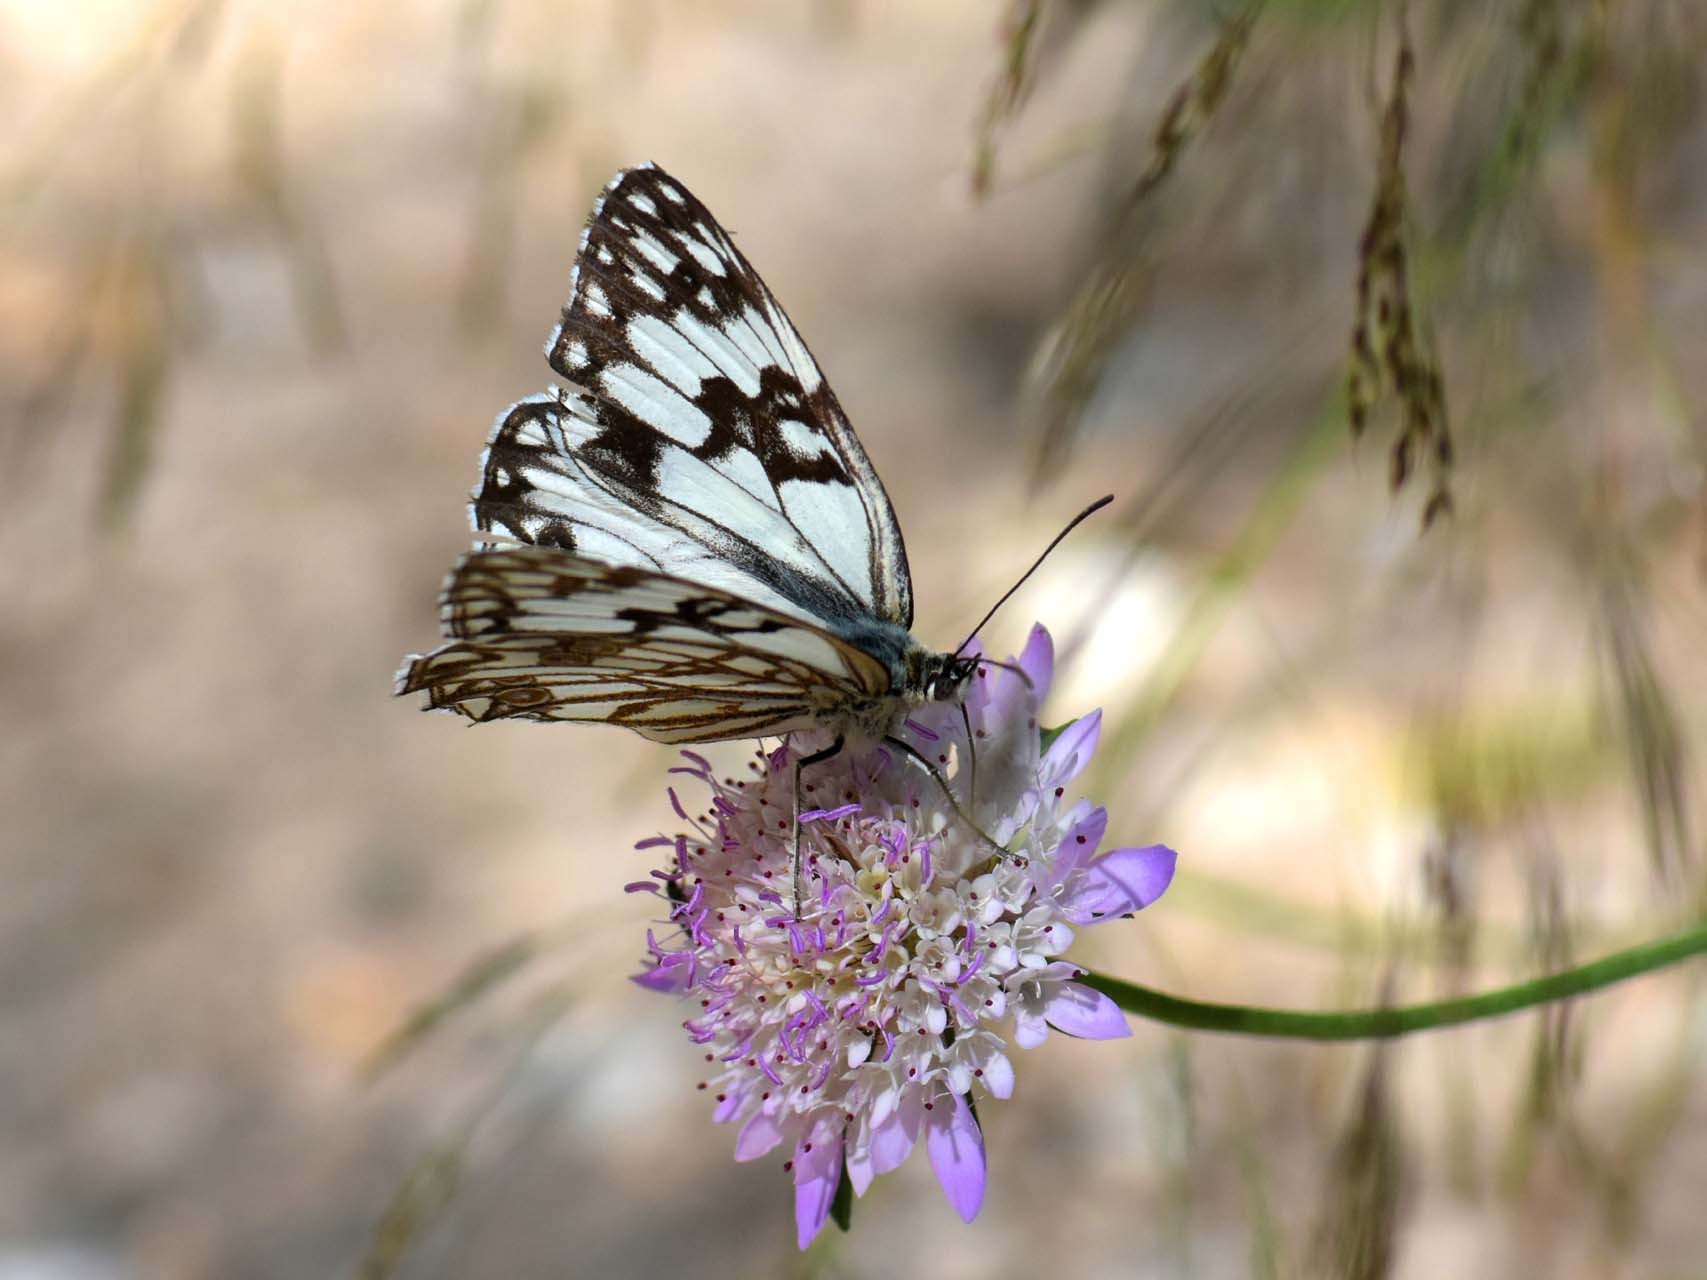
x=551 y=636
x=709 y=553
x=695 y=435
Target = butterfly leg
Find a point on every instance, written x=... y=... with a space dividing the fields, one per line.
x=817 y=757
x=936 y=775
x=971 y=758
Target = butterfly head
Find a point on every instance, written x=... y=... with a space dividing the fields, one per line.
x=943 y=677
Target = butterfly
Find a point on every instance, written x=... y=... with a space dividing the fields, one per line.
x=685 y=538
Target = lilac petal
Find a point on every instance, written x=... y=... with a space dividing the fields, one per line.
x=1122 y=881
x=1005 y=700
x=1079 y=842
x=956 y=1149
x=1038 y=662
x=1036 y=990
x=672 y=973
x=899 y=1132
x=812 y=1201
x=759 y=1135
x=998 y=1075
x=1079 y=1011
x=887 y=1148
x=729 y=1107
x=817 y=1171
x=977 y=696
x=1072 y=749
x=861 y=1171
x=1030 y=1030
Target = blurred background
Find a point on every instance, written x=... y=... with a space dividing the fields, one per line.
x=1390 y=335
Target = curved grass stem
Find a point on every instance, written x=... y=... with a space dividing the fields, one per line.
x=1389 y=1023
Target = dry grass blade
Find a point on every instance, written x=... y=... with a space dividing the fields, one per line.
x=1357 y=1232
x=1656 y=1122
x=1527 y=77
x=1449 y=881
x=478 y=979
x=1388 y=347
x=44 y=401
x=428 y=1187
x=425 y=1192
x=138 y=316
x=1653 y=737
x=1541 y=35
x=519 y=121
x=260 y=159
x=1557 y=1062
x=1104 y=305
x=1556 y=1052
x=1008 y=90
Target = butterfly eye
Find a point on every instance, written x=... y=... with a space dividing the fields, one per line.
x=951 y=681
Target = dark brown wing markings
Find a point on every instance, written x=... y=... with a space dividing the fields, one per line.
x=678 y=674
x=625 y=452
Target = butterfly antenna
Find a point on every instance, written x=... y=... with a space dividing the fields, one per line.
x=1072 y=524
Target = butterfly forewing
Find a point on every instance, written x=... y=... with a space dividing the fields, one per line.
x=545 y=482
x=695 y=410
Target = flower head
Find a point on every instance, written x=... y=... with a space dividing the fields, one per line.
x=881 y=1012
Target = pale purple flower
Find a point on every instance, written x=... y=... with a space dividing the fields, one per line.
x=882 y=1014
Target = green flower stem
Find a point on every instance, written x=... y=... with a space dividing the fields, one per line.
x=1385 y=1024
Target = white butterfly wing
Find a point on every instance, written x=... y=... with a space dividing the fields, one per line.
x=712 y=554
x=543 y=634
x=538 y=486
x=697 y=437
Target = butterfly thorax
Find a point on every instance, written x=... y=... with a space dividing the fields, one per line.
x=917 y=676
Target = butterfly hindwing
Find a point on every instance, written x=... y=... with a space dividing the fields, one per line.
x=543 y=634
x=696 y=434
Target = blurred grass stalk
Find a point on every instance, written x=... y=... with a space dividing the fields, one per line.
x=257 y=108
x=136 y=299
x=1074 y=357
x=1548 y=61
